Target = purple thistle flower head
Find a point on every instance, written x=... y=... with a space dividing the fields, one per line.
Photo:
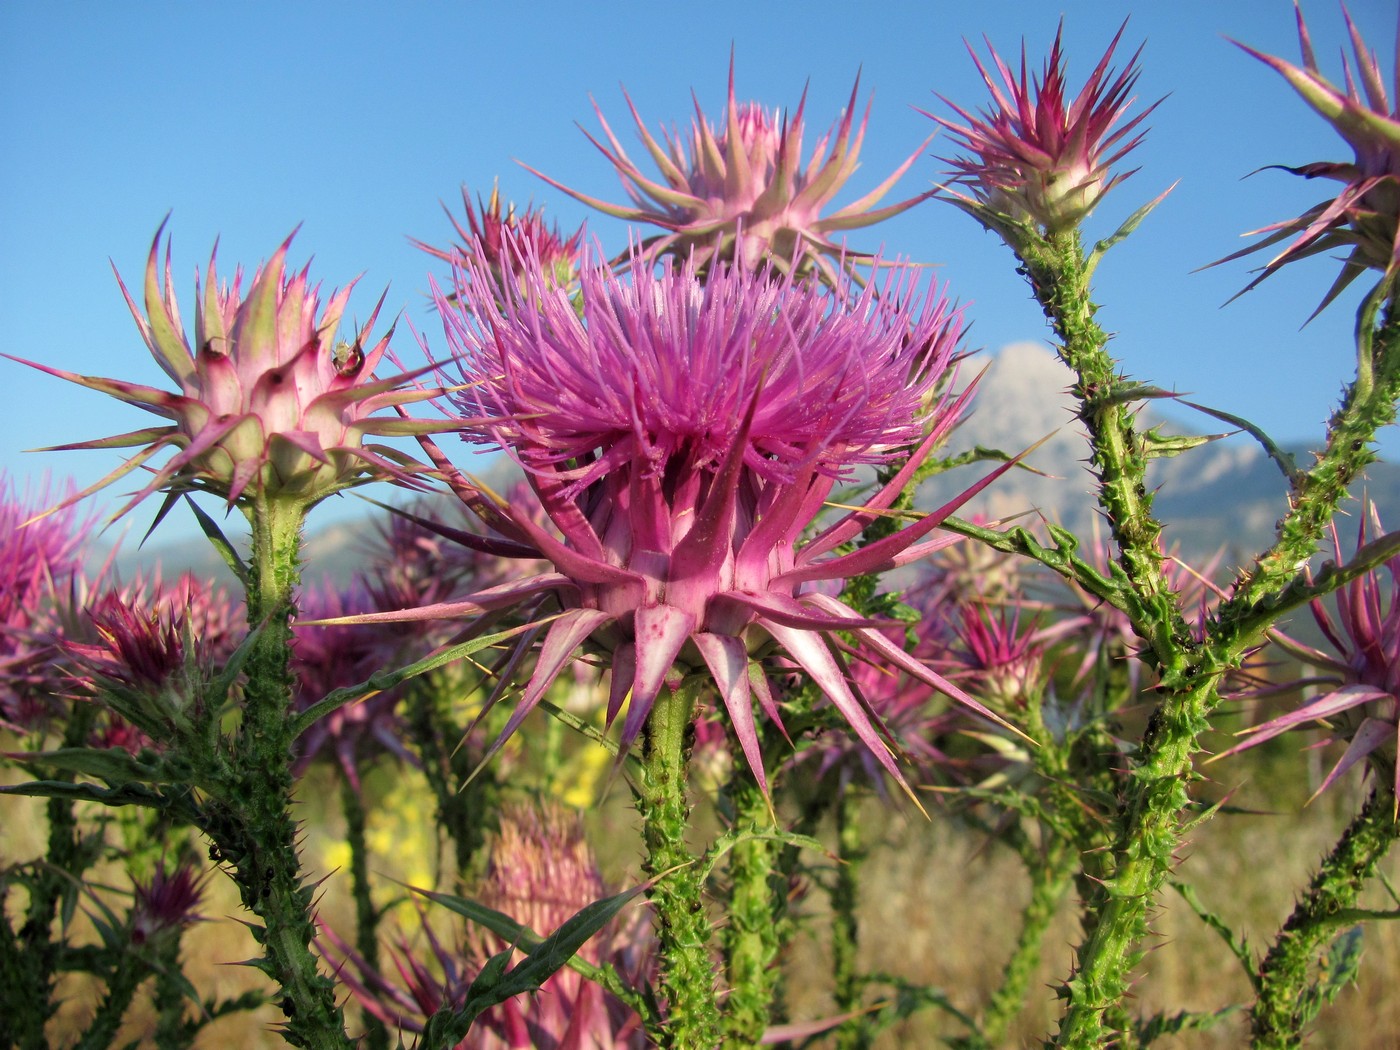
x=1037 y=156
x=166 y=902
x=268 y=398
x=1004 y=661
x=740 y=191
x=149 y=654
x=495 y=227
x=681 y=436
x=1365 y=216
x=1358 y=691
x=541 y=873
x=41 y=562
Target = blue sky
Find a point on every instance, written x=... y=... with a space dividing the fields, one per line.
x=356 y=119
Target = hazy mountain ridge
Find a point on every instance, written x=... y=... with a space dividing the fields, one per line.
x=1225 y=494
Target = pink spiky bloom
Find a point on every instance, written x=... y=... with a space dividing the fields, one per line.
x=150 y=656
x=741 y=191
x=1358 y=692
x=682 y=436
x=41 y=560
x=166 y=902
x=1036 y=155
x=268 y=397
x=541 y=873
x=495 y=226
x=1365 y=216
x=1004 y=661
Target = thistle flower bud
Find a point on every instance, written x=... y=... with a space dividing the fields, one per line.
x=269 y=398
x=740 y=192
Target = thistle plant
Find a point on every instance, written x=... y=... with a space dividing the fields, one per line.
x=681 y=436
x=270 y=414
x=716 y=438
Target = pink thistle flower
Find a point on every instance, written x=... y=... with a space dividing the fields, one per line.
x=166 y=902
x=1036 y=156
x=741 y=191
x=541 y=873
x=41 y=563
x=152 y=658
x=1358 y=691
x=268 y=397
x=493 y=229
x=681 y=437
x=1365 y=215
x=1004 y=661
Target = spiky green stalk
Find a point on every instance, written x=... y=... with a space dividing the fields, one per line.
x=31 y=962
x=250 y=821
x=1288 y=998
x=756 y=930
x=851 y=853
x=366 y=914
x=1150 y=822
x=684 y=932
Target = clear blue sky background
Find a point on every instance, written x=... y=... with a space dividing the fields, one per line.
x=355 y=119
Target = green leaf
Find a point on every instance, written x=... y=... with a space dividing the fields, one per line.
x=1156 y=445
x=544 y=957
x=126 y=795
x=1341 y=965
x=752 y=833
x=384 y=680
x=221 y=544
x=1131 y=223
x=112 y=766
x=1158 y=1025
x=1239 y=946
x=1282 y=459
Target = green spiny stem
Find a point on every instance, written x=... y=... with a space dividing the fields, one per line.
x=169 y=999
x=250 y=821
x=366 y=914
x=684 y=932
x=757 y=929
x=1284 y=1008
x=461 y=806
x=1059 y=276
x=31 y=963
x=1150 y=821
x=845 y=925
x=125 y=977
x=1050 y=875
x=1319 y=491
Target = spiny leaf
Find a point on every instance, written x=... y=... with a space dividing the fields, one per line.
x=384 y=680
x=1239 y=946
x=753 y=833
x=1131 y=223
x=1156 y=445
x=1282 y=459
x=221 y=543
x=545 y=955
